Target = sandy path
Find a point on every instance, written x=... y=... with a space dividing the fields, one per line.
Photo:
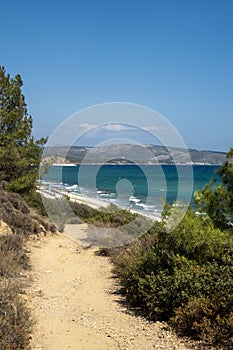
x=74 y=306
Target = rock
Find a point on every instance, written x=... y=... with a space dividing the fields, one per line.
x=5 y=230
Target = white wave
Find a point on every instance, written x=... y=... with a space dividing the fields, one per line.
x=72 y=188
x=107 y=195
x=134 y=199
x=145 y=206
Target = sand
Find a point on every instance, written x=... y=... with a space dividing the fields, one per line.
x=76 y=304
x=74 y=197
x=95 y=203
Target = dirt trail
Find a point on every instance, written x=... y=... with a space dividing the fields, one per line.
x=73 y=302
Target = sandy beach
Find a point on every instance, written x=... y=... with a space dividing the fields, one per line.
x=95 y=203
x=55 y=193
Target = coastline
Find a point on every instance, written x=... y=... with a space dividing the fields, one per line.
x=54 y=193
x=146 y=163
x=94 y=203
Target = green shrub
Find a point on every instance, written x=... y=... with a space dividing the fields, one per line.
x=185 y=276
x=34 y=200
x=104 y=217
x=217 y=200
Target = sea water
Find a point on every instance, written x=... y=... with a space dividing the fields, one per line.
x=141 y=187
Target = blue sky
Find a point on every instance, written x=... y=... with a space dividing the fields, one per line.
x=174 y=56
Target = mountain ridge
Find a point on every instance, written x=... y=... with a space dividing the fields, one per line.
x=131 y=153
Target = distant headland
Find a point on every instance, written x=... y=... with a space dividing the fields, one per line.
x=131 y=153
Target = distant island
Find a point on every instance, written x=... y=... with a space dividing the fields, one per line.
x=130 y=153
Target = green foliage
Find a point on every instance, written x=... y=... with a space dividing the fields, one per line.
x=217 y=201
x=185 y=276
x=104 y=217
x=19 y=152
x=209 y=315
x=102 y=221
x=34 y=201
x=62 y=211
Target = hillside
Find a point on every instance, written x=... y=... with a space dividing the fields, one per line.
x=128 y=153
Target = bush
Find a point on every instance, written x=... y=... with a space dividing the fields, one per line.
x=15 y=321
x=185 y=276
x=104 y=217
x=17 y=214
x=34 y=200
x=13 y=256
x=217 y=200
x=202 y=318
x=210 y=316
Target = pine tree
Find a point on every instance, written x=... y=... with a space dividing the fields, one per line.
x=217 y=201
x=19 y=152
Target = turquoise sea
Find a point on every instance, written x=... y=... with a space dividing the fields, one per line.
x=143 y=188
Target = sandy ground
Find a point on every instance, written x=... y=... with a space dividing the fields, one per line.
x=74 y=302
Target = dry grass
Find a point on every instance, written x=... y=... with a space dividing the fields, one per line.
x=18 y=222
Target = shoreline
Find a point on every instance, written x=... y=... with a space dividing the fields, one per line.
x=94 y=203
x=133 y=164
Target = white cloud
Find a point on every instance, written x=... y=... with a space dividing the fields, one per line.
x=117 y=127
x=86 y=126
x=151 y=128
x=106 y=127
